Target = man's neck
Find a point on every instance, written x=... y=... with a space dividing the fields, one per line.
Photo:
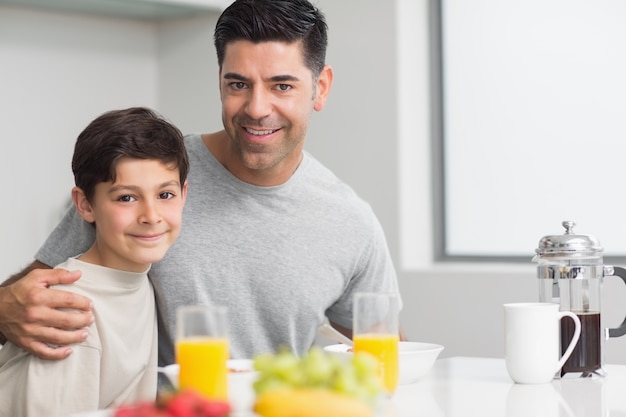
x=220 y=146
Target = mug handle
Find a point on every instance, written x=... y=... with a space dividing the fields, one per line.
x=572 y=343
x=621 y=330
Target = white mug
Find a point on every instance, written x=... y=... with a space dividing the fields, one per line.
x=532 y=341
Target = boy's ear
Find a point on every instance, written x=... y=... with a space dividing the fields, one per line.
x=184 y=191
x=83 y=206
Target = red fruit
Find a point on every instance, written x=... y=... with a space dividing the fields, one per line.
x=125 y=411
x=214 y=408
x=182 y=404
x=146 y=410
x=143 y=409
x=192 y=404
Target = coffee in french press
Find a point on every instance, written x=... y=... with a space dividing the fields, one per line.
x=570 y=271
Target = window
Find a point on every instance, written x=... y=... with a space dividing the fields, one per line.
x=530 y=125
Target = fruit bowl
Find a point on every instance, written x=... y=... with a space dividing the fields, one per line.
x=416 y=358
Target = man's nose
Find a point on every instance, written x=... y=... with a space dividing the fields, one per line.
x=259 y=103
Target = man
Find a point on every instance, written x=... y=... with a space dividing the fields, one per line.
x=268 y=231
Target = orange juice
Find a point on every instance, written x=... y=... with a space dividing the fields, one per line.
x=385 y=348
x=202 y=362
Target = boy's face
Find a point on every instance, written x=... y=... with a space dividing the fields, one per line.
x=138 y=217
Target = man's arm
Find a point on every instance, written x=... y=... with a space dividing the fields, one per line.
x=30 y=315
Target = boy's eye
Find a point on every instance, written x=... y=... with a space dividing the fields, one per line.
x=166 y=195
x=126 y=198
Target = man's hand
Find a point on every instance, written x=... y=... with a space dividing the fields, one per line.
x=30 y=315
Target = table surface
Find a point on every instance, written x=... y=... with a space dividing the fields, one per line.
x=481 y=387
x=467 y=386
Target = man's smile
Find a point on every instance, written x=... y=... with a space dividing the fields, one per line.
x=260 y=132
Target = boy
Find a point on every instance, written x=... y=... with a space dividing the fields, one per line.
x=130 y=169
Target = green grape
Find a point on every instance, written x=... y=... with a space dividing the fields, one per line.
x=263 y=362
x=262 y=385
x=284 y=365
x=345 y=381
x=364 y=364
x=297 y=378
x=319 y=369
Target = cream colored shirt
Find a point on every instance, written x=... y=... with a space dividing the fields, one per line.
x=116 y=364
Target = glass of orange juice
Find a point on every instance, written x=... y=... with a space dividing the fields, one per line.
x=202 y=349
x=376 y=331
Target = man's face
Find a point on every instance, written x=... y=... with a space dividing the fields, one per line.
x=268 y=95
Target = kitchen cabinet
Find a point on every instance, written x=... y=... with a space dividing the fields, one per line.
x=132 y=9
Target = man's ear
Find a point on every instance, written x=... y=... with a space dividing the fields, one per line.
x=324 y=83
x=83 y=206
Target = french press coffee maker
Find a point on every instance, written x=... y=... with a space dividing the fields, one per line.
x=570 y=272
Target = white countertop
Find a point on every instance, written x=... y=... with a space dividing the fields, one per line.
x=463 y=386
x=481 y=387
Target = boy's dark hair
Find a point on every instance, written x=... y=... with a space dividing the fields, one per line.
x=275 y=20
x=136 y=132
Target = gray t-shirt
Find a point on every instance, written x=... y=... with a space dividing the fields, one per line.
x=280 y=258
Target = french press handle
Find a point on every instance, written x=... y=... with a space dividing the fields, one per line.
x=621 y=330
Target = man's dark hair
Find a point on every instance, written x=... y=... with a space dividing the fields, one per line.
x=136 y=132
x=275 y=20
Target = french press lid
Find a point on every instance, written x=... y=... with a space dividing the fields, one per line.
x=568 y=245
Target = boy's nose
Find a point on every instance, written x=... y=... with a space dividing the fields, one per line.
x=150 y=214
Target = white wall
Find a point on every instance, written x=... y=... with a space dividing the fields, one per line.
x=59 y=71
x=188 y=74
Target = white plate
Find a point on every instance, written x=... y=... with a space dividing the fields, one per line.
x=415 y=359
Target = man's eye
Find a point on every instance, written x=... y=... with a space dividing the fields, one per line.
x=126 y=198
x=283 y=87
x=238 y=85
x=166 y=195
